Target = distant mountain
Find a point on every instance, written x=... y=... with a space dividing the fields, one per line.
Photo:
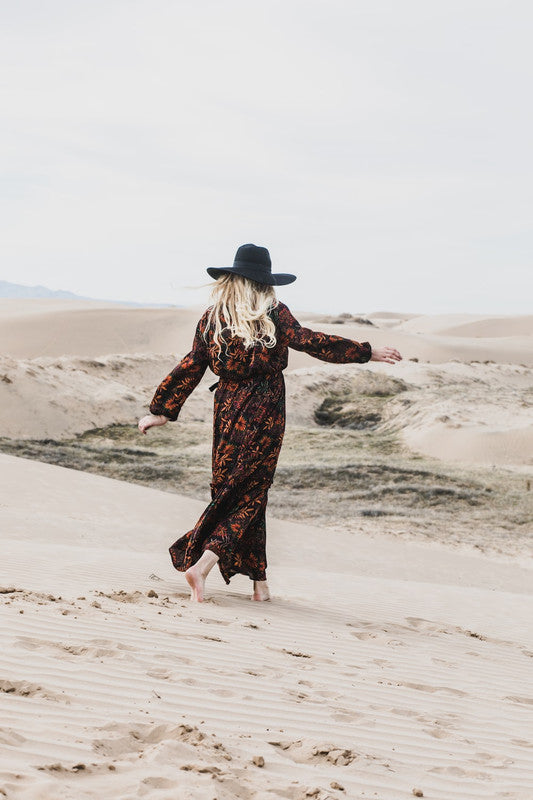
x=8 y=289
x=20 y=291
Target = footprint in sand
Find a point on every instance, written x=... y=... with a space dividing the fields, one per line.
x=121 y=596
x=421 y=687
x=448 y=664
x=154 y=782
x=525 y=701
x=489 y=760
x=382 y=662
x=421 y=624
x=384 y=634
x=126 y=739
x=204 y=637
x=407 y=712
x=323 y=692
x=159 y=673
x=295 y=653
x=371 y=630
x=364 y=635
x=441 y=728
x=11 y=738
x=305 y=752
x=166 y=656
x=27 y=689
x=438 y=733
x=176 y=744
x=299 y=696
x=344 y=715
x=94 y=648
x=459 y=772
x=79 y=768
x=222 y=692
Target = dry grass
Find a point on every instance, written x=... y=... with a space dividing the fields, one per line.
x=360 y=403
x=335 y=477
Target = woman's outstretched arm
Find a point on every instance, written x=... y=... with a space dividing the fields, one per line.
x=173 y=390
x=325 y=346
x=329 y=347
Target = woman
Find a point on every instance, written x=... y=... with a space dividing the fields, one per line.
x=244 y=338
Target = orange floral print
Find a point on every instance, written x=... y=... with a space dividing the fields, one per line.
x=248 y=430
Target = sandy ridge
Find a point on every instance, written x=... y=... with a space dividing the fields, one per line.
x=381 y=666
x=112 y=681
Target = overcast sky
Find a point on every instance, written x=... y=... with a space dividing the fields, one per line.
x=381 y=150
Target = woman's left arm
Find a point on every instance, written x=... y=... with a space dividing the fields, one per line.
x=324 y=346
x=329 y=346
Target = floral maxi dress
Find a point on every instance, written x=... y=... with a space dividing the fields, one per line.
x=248 y=429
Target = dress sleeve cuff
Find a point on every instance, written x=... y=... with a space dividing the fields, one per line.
x=163 y=412
x=366 y=355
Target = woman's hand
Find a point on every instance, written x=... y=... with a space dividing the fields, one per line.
x=387 y=354
x=151 y=420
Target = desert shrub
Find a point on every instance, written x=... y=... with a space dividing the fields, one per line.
x=360 y=404
x=336 y=411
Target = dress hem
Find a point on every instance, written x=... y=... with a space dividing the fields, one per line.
x=226 y=575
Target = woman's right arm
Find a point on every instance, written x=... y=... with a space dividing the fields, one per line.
x=175 y=388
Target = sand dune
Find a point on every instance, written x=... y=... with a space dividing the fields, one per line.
x=477 y=325
x=31 y=328
x=476 y=445
x=496 y=327
x=471 y=413
x=379 y=667
x=68 y=366
x=434 y=348
x=382 y=668
x=50 y=328
x=391 y=315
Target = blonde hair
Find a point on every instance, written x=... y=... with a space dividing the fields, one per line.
x=241 y=306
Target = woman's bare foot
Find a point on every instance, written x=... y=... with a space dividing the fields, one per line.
x=196 y=575
x=261 y=591
x=196 y=581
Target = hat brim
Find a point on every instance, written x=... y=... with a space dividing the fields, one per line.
x=276 y=279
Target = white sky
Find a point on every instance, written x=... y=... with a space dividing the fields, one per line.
x=381 y=150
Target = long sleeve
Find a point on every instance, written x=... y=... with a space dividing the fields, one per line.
x=177 y=386
x=325 y=346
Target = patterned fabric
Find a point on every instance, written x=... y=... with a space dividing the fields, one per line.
x=248 y=428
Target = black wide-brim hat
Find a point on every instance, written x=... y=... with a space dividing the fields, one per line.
x=254 y=262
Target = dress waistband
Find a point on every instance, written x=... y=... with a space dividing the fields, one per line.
x=236 y=381
x=256 y=378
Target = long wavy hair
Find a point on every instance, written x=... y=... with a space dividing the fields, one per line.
x=240 y=308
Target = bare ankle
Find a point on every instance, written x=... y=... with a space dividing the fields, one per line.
x=206 y=562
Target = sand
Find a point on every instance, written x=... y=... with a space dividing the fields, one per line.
x=36 y=328
x=67 y=366
x=379 y=667
x=382 y=668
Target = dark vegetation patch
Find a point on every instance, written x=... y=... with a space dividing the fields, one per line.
x=340 y=319
x=360 y=404
x=121 y=452
x=327 y=476
x=336 y=411
x=401 y=487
